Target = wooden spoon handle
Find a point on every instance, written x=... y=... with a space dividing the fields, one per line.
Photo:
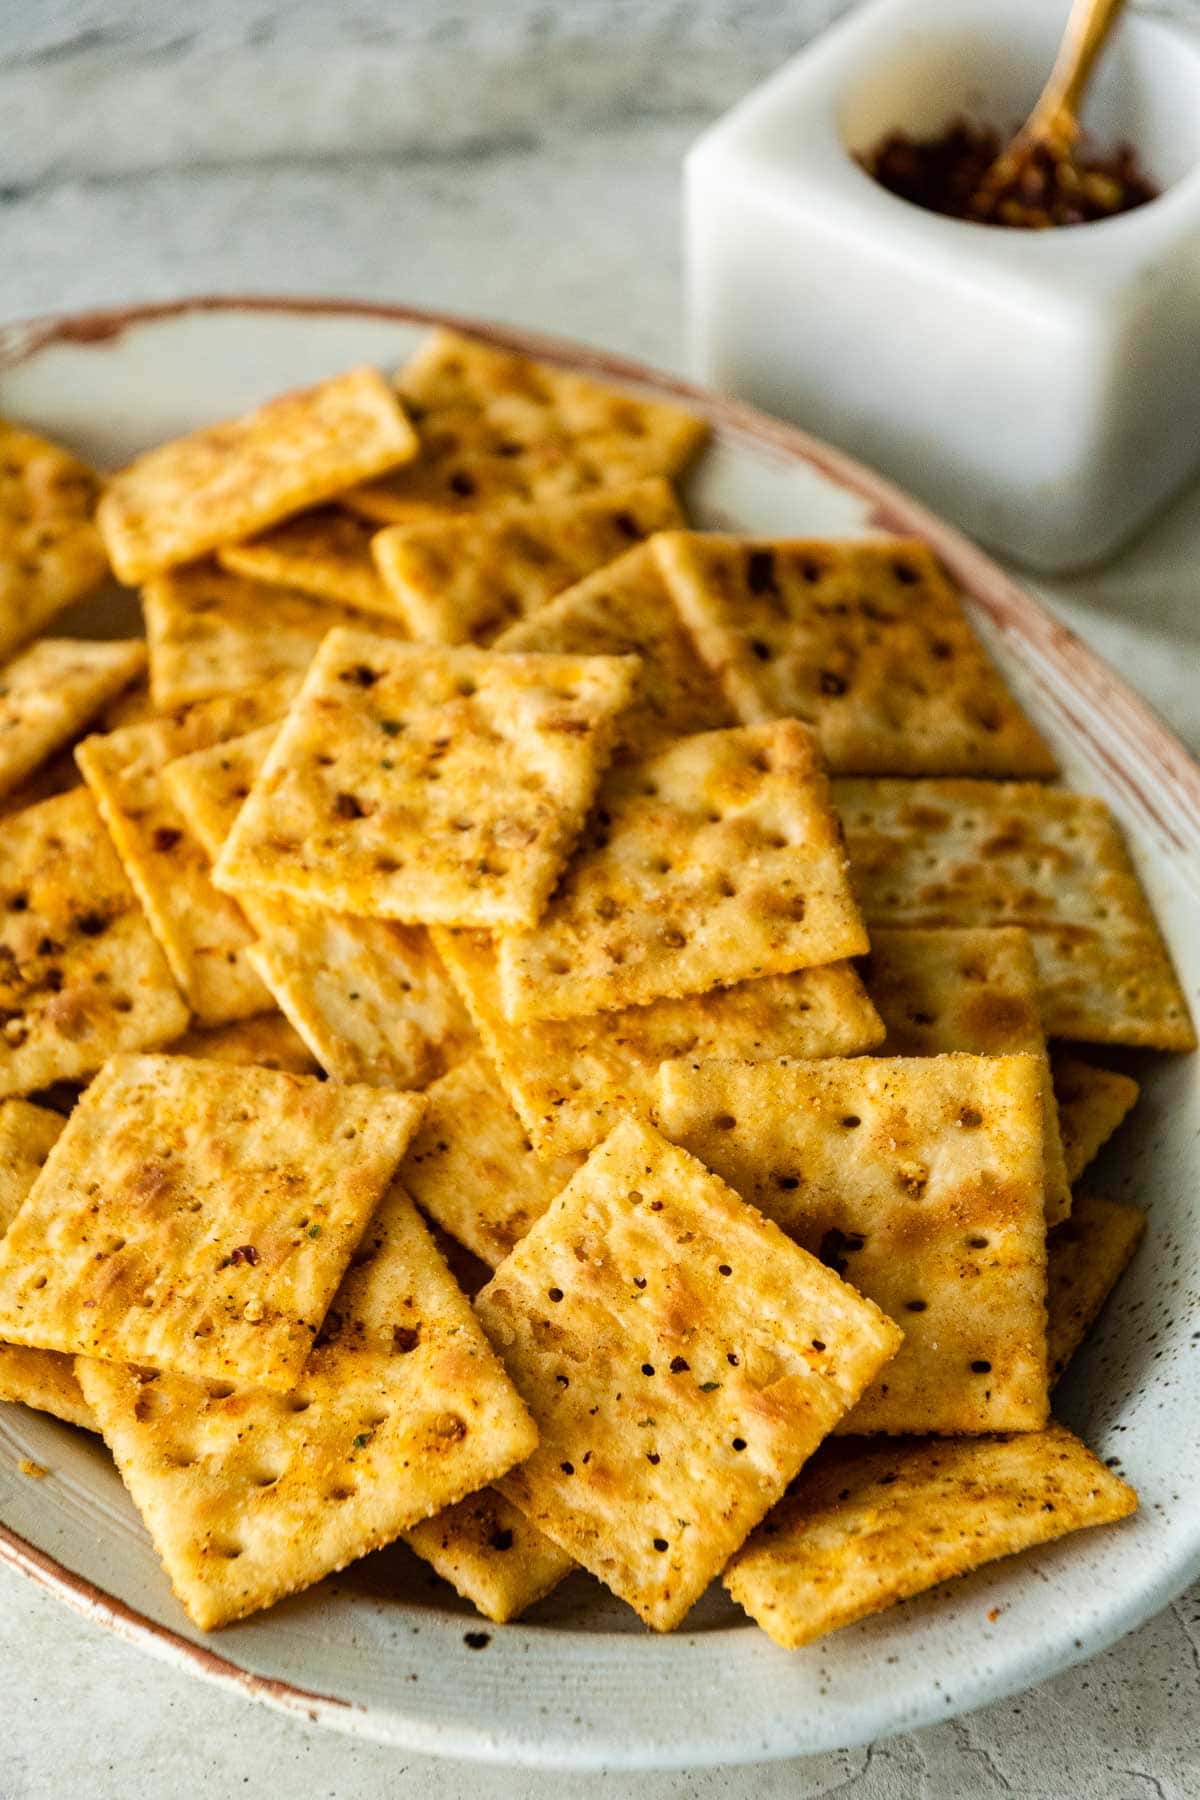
x=1054 y=121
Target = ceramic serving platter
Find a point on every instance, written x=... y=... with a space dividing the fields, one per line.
x=384 y=1650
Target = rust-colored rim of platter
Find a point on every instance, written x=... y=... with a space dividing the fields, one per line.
x=1169 y=792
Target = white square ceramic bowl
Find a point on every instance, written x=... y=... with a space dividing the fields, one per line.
x=1042 y=388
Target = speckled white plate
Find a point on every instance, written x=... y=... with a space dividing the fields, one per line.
x=384 y=1650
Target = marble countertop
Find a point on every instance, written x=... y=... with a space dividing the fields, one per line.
x=519 y=162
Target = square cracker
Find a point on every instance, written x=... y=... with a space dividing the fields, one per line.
x=267 y=1039
x=228 y=481
x=625 y=608
x=715 y=861
x=866 y=640
x=941 y=991
x=381 y=795
x=457 y=581
x=920 y=1181
x=326 y=553
x=1092 y=1102
x=681 y=1358
x=50 y=550
x=490 y=1552
x=213 y=632
x=50 y=692
x=56 y=776
x=498 y=429
x=39 y=1378
x=1014 y=853
x=1086 y=1257
x=369 y=998
x=197 y=1216
x=872 y=1525
x=28 y=1133
x=203 y=933
x=471 y=1167
x=570 y=1079
x=401 y=1410
x=81 y=975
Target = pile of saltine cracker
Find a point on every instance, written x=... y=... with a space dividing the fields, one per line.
x=480 y=884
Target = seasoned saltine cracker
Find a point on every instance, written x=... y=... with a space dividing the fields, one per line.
x=133 y=707
x=369 y=998
x=487 y=1549
x=866 y=640
x=45 y=1381
x=39 y=1378
x=57 y=776
x=431 y=786
x=50 y=692
x=570 y=1079
x=452 y=370
x=623 y=609
x=326 y=553
x=497 y=428
x=1086 y=1257
x=214 y=632
x=920 y=1181
x=1092 y=1102
x=267 y=1039
x=868 y=1526
x=81 y=975
x=1014 y=853
x=202 y=931
x=457 y=581
x=471 y=1167
x=211 y=785
x=940 y=991
x=27 y=1135
x=197 y=1216
x=50 y=550
x=228 y=481
x=715 y=861
x=401 y=1410
x=473 y=462
x=681 y=1359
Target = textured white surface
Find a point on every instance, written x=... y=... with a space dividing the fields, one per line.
x=533 y=177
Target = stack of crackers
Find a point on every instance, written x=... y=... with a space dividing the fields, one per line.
x=538 y=1031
